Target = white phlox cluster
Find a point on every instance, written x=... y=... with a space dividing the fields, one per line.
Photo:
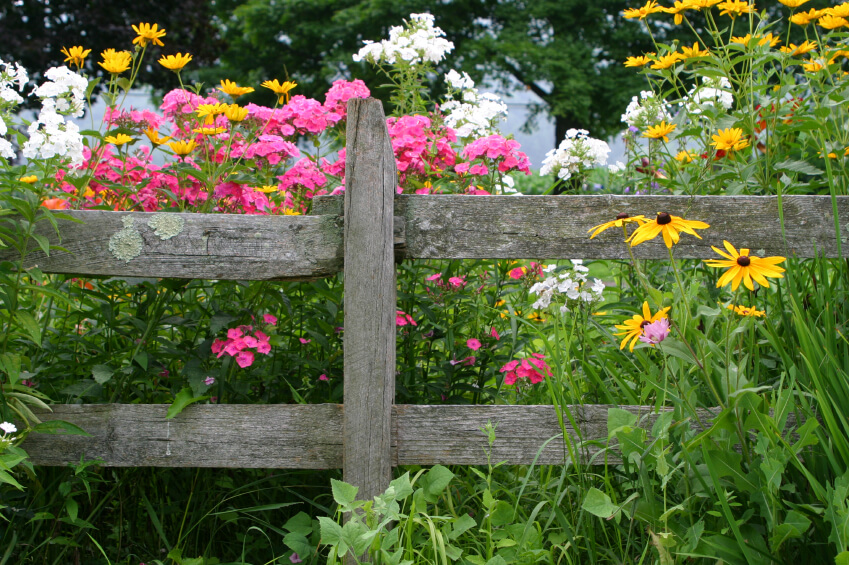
x=7 y=438
x=419 y=41
x=50 y=136
x=711 y=93
x=474 y=115
x=505 y=186
x=646 y=110
x=572 y=286
x=13 y=78
x=577 y=151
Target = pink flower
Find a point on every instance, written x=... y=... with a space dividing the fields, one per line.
x=304 y=341
x=494 y=333
x=337 y=97
x=245 y=359
x=435 y=277
x=534 y=369
x=457 y=282
x=209 y=381
x=294 y=558
x=269 y=319
x=655 y=332
x=234 y=333
x=473 y=344
x=518 y=272
x=402 y=319
x=323 y=377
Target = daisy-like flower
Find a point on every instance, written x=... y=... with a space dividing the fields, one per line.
x=209 y=130
x=642 y=13
x=735 y=8
x=730 y=139
x=115 y=62
x=632 y=329
x=233 y=89
x=805 y=47
x=660 y=131
x=702 y=4
x=175 y=62
x=678 y=8
x=744 y=267
x=281 y=90
x=183 y=148
x=148 y=33
x=793 y=3
x=209 y=111
x=236 y=113
x=622 y=219
x=804 y=18
x=840 y=11
x=293 y=212
x=694 y=51
x=266 y=189
x=75 y=55
x=832 y=22
x=640 y=61
x=812 y=66
x=118 y=140
x=154 y=136
x=667 y=225
x=668 y=60
x=746 y=311
x=29 y=179
x=685 y=156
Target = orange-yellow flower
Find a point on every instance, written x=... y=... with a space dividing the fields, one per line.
x=685 y=156
x=746 y=311
x=633 y=328
x=651 y=7
x=620 y=221
x=812 y=66
x=210 y=130
x=805 y=47
x=744 y=267
x=236 y=113
x=667 y=225
x=175 y=62
x=266 y=188
x=115 y=62
x=183 y=147
x=233 y=89
x=804 y=18
x=56 y=204
x=660 y=131
x=154 y=137
x=678 y=8
x=282 y=90
x=118 y=140
x=148 y=33
x=75 y=55
x=694 y=51
x=702 y=4
x=735 y=8
x=730 y=139
x=832 y=22
x=29 y=179
x=666 y=61
x=640 y=61
x=793 y=3
x=840 y=11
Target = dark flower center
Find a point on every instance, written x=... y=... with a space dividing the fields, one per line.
x=622 y=215
x=644 y=323
x=744 y=261
x=663 y=218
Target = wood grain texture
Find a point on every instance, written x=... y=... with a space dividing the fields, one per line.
x=285 y=436
x=369 y=301
x=209 y=246
x=555 y=227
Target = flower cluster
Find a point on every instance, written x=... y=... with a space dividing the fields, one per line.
x=712 y=93
x=13 y=78
x=493 y=151
x=420 y=149
x=575 y=154
x=572 y=285
x=535 y=369
x=49 y=135
x=336 y=99
x=419 y=41
x=645 y=110
x=7 y=438
x=468 y=112
x=239 y=343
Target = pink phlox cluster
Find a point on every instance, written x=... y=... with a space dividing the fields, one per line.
x=402 y=319
x=271 y=120
x=271 y=148
x=473 y=344
x=336 y=100
x=493 y=150
x=337 y=167
x=533 y=368
x=239 y=343
x=137 y=120
x=179 y=107
x=304 y=175
x=308 y=115
x=476 y=190
x=535 y=270
x=419 y=150
x=453 y=283
x=240 y=198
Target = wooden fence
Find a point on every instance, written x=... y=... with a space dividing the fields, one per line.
x=369 y=434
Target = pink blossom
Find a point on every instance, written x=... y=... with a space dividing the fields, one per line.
x=245 y=359
x=419 y=148
x=323 y=377
x=269 y=319
x=209 y=381
x=308 y=115
x=402 y=319
x=494 y=333
x=294 y=558
x=517 y=273
x=272 y=148
x=337 y=97
x=457 y=282
x=534 y=369
x=304 y=340
x=655 y=332
x=437 y=276
x=234 y=333
x=473 y=344
x=303 y=173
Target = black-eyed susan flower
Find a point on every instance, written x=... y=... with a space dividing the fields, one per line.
x=667 y=225
x=154 y=136
x=118 y=140
x=148 y=34
x=729 y=139
x=744 y=267
x=233 y=89
x=643 y=12
x=281 y=90
x=685 y=156
x=75 y=55
x=622 y=219
x=660 y=131
x=746 y=311
x=210 y=130
x=175 y=62
x=633 y=328
x=115 y=62
x=734 y=8
x=536 y=317
x=183 y=147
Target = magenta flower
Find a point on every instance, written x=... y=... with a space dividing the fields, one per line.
x=494 y=333
x=534 y=369
x=209 y=381
x=245 y=359
x=269 y=319
x=457 y=282
x=304 y=341
x=655 y=332
x=323 y=377
x=402 y=319
x=473 y=344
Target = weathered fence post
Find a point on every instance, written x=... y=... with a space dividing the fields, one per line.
x=369 y=301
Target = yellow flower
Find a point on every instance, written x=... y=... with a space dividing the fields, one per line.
x=730 y=139
x=846 y=152
x=745 y=267
x=290 y=212
x=667 y=225
x=701 y=4
x=536 y=317
x=746 y=311
x=115 y=62
x=633 y=328
x=266 y=188
x=637 y=61
x=651 y=7
x=210 y=130
x=75 y=55
x=282 y=90
x=236 y=113
x=812 y=66
x=685 y=156
x=667 y=60
x=621 y=220
x=805 y=47
x=735 y=8
x=175 y=62
x=694 y=51
x=769 y=38
x=677 y=9
x=793 y=3
x=233 y=89
x=154 y=138
x=840 y=11
x=804 y=18
x=119 y=139
x=832 y=22
x=146 y=33
x=660 y=131
x=29 y=179
x=183 y=148
x=209 y=111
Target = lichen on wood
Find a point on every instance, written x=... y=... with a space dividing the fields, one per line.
x=127 y=244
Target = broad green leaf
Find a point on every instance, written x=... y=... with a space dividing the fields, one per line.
x=331 y=532
x=343 y=493
x=435 y=481
x=29 y=325
x=102 y=373
x=183 y=399
x=461 y=525
x=599 y=504
x=618 y=419
x=59 y=426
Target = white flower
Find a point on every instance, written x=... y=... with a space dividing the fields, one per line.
x=576 y=153
x=711 y=93
x=419 y=41
x=458 y=81
x=646 y=110
x=8 y=428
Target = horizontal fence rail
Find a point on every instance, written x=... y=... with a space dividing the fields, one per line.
x=241 y=247
x=309 y=436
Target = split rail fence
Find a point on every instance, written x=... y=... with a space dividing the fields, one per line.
x=369 y=434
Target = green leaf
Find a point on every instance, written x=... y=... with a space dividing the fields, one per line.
x=73 y=508
x=28 y=323
x=183 y=399
x=461 y=525
x=502 y=514
x=343 y=493
x=299 y=523
x=435 y=481
x=58 y=426
x=102 y=373
x=618 y=419
x=793 y=166
x=842 y=558
x=402 y=486
x=9 y=480
x=599 y=504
